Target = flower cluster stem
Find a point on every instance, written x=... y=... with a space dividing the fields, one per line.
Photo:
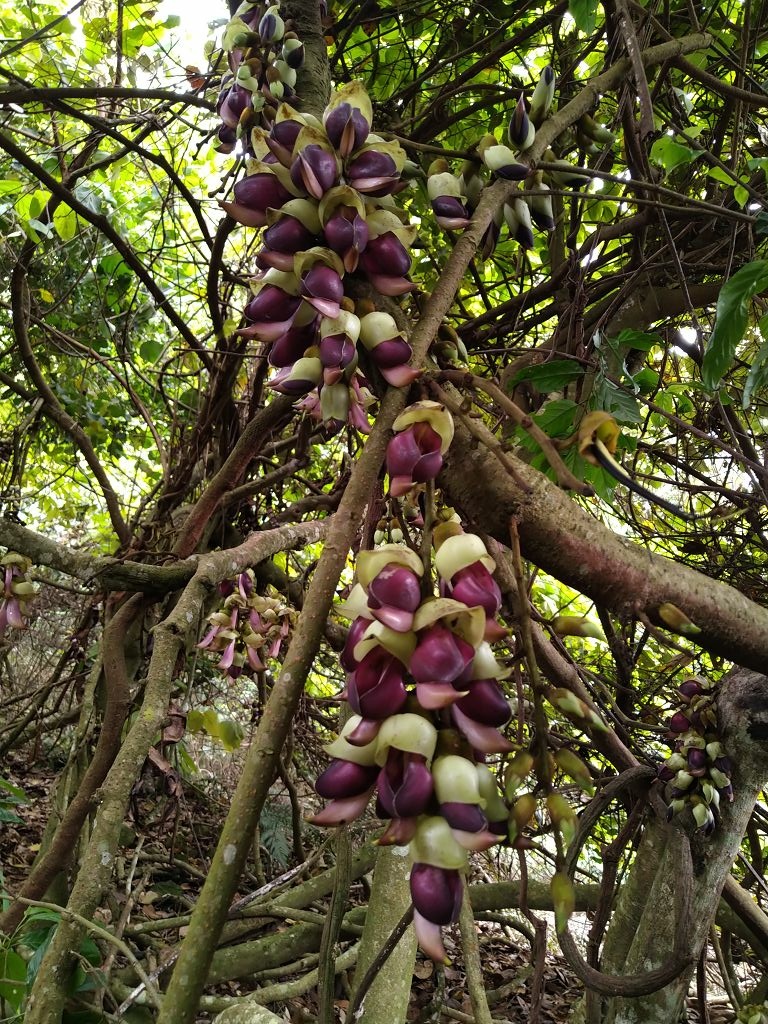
x=472 y=963
x=332 y=926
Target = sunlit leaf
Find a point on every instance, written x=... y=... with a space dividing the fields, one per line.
x=731 y=321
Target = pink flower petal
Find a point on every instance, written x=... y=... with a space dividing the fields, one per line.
x=432 y=696
x=484 y=738
x=400 y=376
x=475 y=840
x=430 y=938
x=341 y=812
x=399 y=832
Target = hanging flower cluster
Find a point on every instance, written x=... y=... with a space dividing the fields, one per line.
x=17 y=591
x=323 y=191
x=424 y=686
x=423 y=434
x=264 y=55
x=454 y=197
x=247 y=627
x=699 y=771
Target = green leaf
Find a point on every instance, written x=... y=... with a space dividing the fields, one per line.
x=230 y=734
x=210 y=722
x=65 y=222
x=551 y=376
x=722 y=175
x=741 y=195
x=39 y=940
x=638 y=340
x=608 y=398
x=15 y=791
x=557 y=417
x=195 y=721
x=584 y=13
x=13 y=976
x=757 y=378
x=8 y=185
x=731 y=319
x=671 y=154
x=151 y=350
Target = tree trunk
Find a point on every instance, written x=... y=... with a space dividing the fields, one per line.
x=641 y=935
x=386 y=1001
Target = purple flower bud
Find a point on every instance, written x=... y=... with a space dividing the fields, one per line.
x=450 y=213
x=346 y=128
x=341 y=812
x=404 y=785
x=376 y=688
x=440 y=656
x=288 y=235
x=323 y=288
x=373 y=173
x=386 y=255
x=485 y=703
x=413 y=456
x=665 y=774
x=272 y=304
x=293 y=53
x=354 y=636
x=346 y=232
x=484 y=738
x=226 y=139
x=336 y=352
x=305 y=374
x=697 y=761
x=436 y=893
x=476 y=586
x=397 y=586
x=292 y=345
x=724 y=764
x=345 y=778
x=231 y=103
x=466 y=817
x=255 y=195
x=395 y=352
x=271 y=26
x=689 y=689
x=520 y=125
x=489 y=240
x=316 y=170
x=399 y=832
x=365 y=732
x=282 y=138
x=679 y=723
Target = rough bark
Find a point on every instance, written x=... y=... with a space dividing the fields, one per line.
x=642 y=932
x=386 y=1001
x=564 y=539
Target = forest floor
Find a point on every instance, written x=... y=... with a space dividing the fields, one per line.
x=164 y=861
